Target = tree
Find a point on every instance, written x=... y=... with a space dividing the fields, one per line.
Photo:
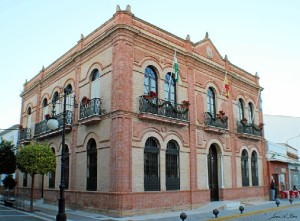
x=35 y=158
x=7 y=157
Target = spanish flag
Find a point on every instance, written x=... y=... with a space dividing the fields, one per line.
x=226 y=86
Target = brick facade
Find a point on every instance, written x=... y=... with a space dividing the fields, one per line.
x=121 y=49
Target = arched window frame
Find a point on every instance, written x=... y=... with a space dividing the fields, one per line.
x=245 y=168
x=151 y=165
x=254 y=168
x=211 y=101
x=56 y=103
x=52 y=174
x=150 y=80
x=91 y=182
x=44 y=108
x=67 y=166
x=95 y=84
x=172 y=166
x=250 y=112
x=241 y=109
x=170 y=88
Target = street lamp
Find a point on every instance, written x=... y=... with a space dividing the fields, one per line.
x=52 y=124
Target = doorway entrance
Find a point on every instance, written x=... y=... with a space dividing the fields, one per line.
x=212 y=166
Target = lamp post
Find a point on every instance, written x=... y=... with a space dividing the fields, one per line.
x=52 y=124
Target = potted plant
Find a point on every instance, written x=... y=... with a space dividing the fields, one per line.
x=185 y=104
x=85 y=100
x=261 y=125
x=151 y=95
x=47 y=116
x=244 y=121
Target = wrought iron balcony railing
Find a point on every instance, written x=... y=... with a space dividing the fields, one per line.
x=41 y=127
x=163 y=108
x=219 y=122
x=90 y=108
x=248 y=128
x=25 y=134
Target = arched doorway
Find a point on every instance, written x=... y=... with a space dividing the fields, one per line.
x=212 y=165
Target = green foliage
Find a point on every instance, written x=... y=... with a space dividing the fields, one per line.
x=9 y=182
x=36 y=158
x=7 y=157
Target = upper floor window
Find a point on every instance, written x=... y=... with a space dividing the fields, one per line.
x=245 y=168
x=254 y=169
x=95 y=86
x=91 y=182
x=250 y=112
x=151 y=165
x=211 y=101
x=69 y=98
x=172 y=166
x=44 y=108
x=170 y=88
x=56 y=103
x=150 y=80
x=29 y=117
x=241 y=109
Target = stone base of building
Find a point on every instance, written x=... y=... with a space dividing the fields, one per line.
x=129 y=204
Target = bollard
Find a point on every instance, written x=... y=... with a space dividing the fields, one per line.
x=216 y=212
x=241 y=208
x=277 y=203
x=183 y=216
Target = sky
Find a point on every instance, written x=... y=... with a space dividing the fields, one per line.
x=257 y=36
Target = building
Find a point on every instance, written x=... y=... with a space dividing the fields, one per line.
x=138 y=141
x=10 y=134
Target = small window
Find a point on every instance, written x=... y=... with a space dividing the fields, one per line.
x=67 y=166
x=172 y=166
x=241 y=109
x=150 y=80
x=91 y=166
x=250 y=112
x=211 y=101
x=254 y=169
x=170 y=88
x=245 y=168
x=25 y=175
x=151 y=165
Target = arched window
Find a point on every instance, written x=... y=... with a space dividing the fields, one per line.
x=45 y=108
x=245 y=168
x=52 y=174
x=95 y=84
x=170 y=88
x=254 y=169
x=250 y=112
x=211 y=101
x=29 y=117
x=56 y=103
x=150 y=80
x=151 y=165
x=91 y=178
x=241 y=109
x=69 y=98
x=67 y=166
x=172 y=166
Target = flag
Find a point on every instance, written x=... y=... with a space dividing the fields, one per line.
x=226 y=86
x=175 y=66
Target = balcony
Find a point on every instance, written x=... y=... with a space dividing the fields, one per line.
x=218 y=124
x=41 y=130
x=164 y=111
x=90 y=111
x=25 y=136
x=249 y=131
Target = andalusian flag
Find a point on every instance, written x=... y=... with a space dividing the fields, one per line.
x=175 y=66
x=226 y=86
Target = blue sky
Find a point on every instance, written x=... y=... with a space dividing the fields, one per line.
x=258 y=36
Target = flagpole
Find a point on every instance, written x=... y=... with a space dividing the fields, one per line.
x=222 y=91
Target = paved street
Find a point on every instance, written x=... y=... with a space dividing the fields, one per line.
x=256 y=210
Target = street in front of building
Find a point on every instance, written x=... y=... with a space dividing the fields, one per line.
x=256 y=210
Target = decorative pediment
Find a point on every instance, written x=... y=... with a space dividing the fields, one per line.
x=206 y=49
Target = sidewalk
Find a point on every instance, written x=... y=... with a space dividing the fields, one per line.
x=227 y=210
